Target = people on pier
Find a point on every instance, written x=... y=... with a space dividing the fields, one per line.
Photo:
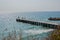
x=21 y=17
x=18 y=16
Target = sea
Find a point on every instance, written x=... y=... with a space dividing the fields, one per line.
x=8 y=24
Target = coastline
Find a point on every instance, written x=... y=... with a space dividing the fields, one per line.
x=55 y=35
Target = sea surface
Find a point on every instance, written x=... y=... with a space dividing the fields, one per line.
x=8 y=23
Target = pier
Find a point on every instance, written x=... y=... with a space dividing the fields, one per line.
x=40 y=23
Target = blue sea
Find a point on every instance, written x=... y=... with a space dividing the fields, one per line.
x=8 y=24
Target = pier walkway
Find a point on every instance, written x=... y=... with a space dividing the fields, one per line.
x=40 y=23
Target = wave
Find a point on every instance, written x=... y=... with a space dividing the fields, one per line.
x=39 y=31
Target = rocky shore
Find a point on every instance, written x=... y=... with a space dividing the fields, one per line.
x=55 y=35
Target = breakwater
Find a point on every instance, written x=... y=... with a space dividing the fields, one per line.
x=40 y=23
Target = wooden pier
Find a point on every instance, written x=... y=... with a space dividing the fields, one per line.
x=40 y=23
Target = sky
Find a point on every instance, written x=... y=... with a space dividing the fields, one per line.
x=29 y=5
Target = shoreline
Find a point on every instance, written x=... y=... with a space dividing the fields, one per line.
x=55 y=35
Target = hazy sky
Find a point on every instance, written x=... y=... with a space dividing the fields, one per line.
x=29 y=5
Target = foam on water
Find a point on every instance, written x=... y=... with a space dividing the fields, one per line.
x=33 y=31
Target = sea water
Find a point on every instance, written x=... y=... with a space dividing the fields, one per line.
x=8 y=23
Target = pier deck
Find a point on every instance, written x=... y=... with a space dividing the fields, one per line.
x=40 y=23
